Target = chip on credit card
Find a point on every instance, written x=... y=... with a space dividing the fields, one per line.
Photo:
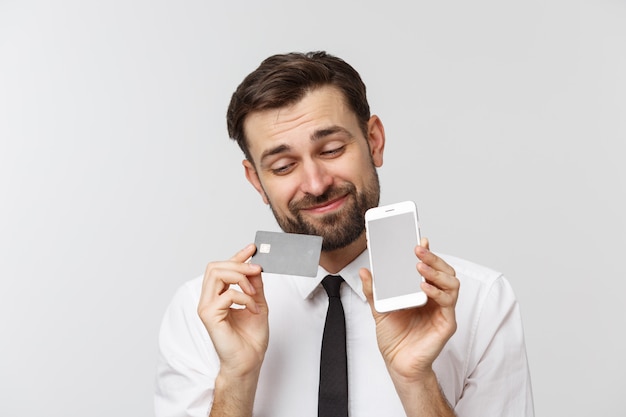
x=287 y=253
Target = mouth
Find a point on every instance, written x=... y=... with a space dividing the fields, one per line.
x=327 y=206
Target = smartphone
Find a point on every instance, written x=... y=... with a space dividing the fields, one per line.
x=392 y=234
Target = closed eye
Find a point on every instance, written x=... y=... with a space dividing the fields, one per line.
x=334 y=152
x=283 y=169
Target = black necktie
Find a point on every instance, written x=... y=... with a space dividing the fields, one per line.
x=333 y=392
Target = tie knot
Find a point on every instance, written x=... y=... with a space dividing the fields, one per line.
x=331 y=284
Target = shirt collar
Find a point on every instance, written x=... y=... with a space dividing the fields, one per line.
x=350 y=274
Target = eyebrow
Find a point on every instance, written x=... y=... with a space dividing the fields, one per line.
x=274 y=151
x=317 y=135
x=322 y=133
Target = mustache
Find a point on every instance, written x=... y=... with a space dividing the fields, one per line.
x=331 y=193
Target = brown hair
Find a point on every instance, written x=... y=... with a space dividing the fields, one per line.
x=285 y=79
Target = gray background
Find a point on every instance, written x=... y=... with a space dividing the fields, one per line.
x=505 y=123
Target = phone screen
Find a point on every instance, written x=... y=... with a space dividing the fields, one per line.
x=392 y=242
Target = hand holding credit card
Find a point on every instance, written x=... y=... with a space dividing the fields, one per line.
x=287 y=253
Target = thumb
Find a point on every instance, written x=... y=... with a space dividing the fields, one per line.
x=366 y=280
x=368 y=291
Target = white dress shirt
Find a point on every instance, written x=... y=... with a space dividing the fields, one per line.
x=482 y=370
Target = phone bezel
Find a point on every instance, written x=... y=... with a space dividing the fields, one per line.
x=404 y=301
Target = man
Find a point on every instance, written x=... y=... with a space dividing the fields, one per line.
x=311 y=151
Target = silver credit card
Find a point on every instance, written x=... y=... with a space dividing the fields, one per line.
x=287 y=253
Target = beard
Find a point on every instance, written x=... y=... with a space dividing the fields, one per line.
x=338 y=229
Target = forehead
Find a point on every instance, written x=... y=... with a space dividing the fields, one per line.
x=320 y=108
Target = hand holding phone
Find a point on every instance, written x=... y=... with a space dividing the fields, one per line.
x=392 y=234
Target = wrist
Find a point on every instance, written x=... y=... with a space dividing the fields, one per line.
x=420 y=379
x=234 y=394
x=421 y=394
x=228 y=377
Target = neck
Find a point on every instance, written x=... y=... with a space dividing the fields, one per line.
x=334 y=261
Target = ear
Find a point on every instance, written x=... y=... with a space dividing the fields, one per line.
x=376 y=140
x=253 y=178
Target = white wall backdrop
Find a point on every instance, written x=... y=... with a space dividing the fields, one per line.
x=506 y=123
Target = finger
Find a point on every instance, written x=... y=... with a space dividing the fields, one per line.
x=237 y=263
x=442 y=280
x=214 y=312
x=425 y=243
x=219 y=276
x=432 y=260
x=244 y=254
x=439 y=296
x=259 y=294
x=233 y=296
x=257 y=285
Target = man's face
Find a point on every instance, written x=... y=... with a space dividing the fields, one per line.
x=314 y=166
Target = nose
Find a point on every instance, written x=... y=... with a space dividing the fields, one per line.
x=315 y=178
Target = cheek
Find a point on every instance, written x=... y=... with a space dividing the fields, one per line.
x=356 y=171
x=279 y=192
